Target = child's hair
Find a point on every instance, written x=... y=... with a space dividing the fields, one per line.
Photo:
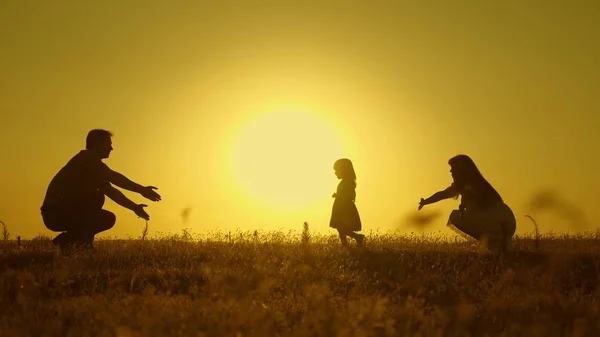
x=345 y=167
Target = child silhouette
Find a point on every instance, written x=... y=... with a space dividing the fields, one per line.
x=344 y=214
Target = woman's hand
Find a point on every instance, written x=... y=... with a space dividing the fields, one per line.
x=421 y=203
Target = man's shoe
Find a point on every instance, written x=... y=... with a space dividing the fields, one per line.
x=63 y=241
x=60 y=239
x=360 y=240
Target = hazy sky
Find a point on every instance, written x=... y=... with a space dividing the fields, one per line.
x=398 y=87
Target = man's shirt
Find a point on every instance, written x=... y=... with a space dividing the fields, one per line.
x=82 y=177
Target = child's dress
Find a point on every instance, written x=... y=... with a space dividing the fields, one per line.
x=344 y=214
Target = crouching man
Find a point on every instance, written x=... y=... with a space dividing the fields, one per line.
x=75 y=196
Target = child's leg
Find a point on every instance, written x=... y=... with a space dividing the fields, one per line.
x=358 y=237
x=355 y=236
x=343 y=235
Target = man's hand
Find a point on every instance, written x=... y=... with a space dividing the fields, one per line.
x=139 y=211
x=148 y=193
x=421 y=203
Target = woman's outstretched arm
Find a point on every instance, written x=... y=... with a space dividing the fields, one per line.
x=448 y=193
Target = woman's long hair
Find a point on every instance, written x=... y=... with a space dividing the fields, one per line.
x=466 y=172
x=345 y=167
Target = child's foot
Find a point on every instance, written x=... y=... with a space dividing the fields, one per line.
x=360 y=240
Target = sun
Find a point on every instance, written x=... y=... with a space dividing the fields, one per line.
x=285 y=159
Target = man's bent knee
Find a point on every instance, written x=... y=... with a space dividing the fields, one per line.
x=108 y=219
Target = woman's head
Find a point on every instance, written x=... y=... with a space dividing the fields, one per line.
x=463 y=169
x=344 y=169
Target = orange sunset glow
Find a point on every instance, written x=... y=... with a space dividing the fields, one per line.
x=239 y=112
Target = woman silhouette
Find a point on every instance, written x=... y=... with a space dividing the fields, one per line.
x=482 y=213
x=344 y=214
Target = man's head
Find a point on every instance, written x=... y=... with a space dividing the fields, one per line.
x=99 y=141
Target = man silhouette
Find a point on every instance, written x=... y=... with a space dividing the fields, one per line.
x=75 y=196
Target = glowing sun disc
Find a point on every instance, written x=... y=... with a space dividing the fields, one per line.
x=285 y=159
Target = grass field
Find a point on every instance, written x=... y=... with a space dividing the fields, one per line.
x=285 y=284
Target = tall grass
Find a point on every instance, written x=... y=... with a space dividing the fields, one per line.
x=5 y=232
x=260 y=283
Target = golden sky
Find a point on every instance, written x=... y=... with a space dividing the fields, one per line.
x=398 y=87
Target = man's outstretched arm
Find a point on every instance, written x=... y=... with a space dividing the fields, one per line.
x=125 y=183
x=120 y=198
